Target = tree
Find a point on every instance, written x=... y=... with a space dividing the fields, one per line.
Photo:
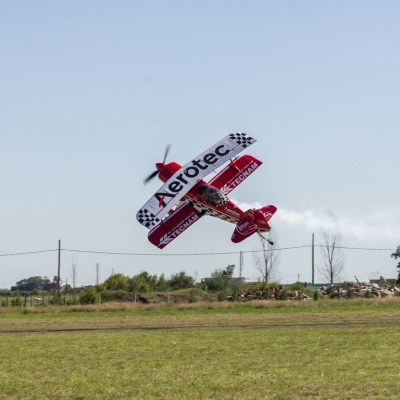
x=396 y=255
x=220 y=279
x=332 y=254
x=162 y=283
x=88 y=296
x=55 y=280
x=32 y=283
x=267 y=260
x=143 y=282
x=181 y=281
x=116 y=282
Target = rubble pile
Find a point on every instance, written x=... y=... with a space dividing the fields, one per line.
x=277 y=293
x=342 y=291
x=359 y=290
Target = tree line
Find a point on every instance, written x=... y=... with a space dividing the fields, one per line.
x=142 y=282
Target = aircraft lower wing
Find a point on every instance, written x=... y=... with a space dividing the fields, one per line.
x=174 y=225
x=235 y=173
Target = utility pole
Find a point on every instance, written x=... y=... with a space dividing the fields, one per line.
x=59 y=267
x=312 y=260
x=74 y=280
x=97 y=273
x=240 y=267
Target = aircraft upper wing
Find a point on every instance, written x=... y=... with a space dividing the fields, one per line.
x=182 y=181
x=235 y=173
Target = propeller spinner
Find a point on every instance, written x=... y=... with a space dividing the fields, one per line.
x=159 y=166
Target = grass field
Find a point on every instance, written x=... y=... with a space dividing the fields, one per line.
x=331 y=350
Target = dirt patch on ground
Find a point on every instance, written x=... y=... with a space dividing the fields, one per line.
x=159 y=322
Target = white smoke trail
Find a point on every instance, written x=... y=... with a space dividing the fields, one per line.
x=381 y=225
x=371 y=226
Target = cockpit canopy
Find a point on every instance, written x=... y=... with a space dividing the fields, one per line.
x=211 y=195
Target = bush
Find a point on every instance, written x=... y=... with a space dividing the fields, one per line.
x=16 y=302
x=264 y=286
x=116 y=282
x=368 y=294
x=116 y=295
x=221 y=279
x=88 y=296
x=221 y=296
x=283 y=294
x=297 y=286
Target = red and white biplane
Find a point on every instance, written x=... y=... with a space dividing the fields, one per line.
x=185 y=197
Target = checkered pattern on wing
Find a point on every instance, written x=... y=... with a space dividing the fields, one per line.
x=241 y=138
x=214 y=212
x=147 y=218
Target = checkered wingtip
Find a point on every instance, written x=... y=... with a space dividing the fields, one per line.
x=148 y=219
x=242 y=139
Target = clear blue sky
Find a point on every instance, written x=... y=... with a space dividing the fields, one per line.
x=91 y=92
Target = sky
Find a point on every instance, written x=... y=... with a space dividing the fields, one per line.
x=91 y=92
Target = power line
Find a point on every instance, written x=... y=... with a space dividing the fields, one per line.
x=177 y=254
x=187 y=254
x=358 y=248
x=27 y=252
x=221 y=253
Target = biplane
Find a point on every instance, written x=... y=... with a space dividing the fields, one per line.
x=185 y=197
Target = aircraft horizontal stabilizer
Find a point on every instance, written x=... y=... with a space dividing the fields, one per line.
x=253 y=221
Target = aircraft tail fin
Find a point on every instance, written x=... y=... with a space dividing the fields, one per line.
x=253 y=221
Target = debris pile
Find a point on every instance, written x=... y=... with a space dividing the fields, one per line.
x=342 y=291
x=276 y=293
x=169 y=298
x=359 y=290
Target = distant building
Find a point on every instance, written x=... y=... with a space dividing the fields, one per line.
x=383 y=281
x=240 y=281
x=51 y=287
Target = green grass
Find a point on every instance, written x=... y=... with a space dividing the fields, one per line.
x=305 y=351
x=324 y=305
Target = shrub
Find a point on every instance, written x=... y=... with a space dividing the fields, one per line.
x=263 y=286
x=88 y=296
x=16 y=302
x=116 y=282
x=221 y=279
x=116 y=295
x=283 y=294
x=368 y=294
x=297 y=286
x=221 y=296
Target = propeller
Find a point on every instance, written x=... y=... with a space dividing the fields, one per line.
x=155 y=173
